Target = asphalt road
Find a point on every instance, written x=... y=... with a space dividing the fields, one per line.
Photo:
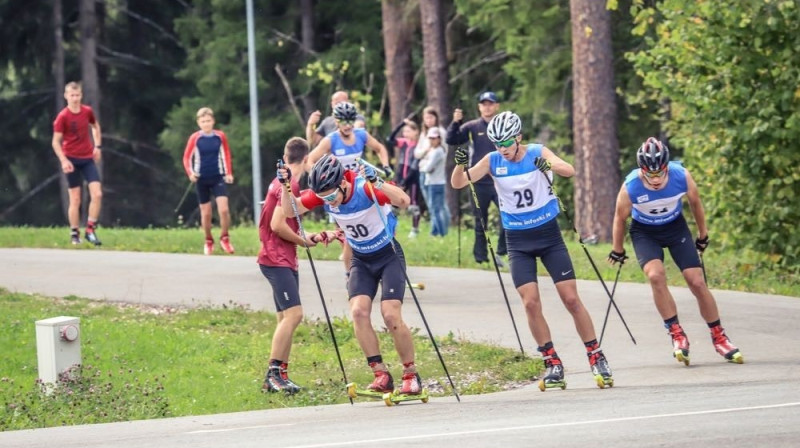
x=655 y=400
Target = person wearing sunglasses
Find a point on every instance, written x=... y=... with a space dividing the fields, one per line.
x=522 y=175
x=350 y=198
x=474 y=132
x=347 y=143
x=652 y=195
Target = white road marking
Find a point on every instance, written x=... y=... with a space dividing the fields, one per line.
x=202 y=431
x=547 y=425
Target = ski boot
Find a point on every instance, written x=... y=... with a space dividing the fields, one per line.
x=274 y=382
x=208 y=248
x=225 y=242
x=75 y=238
x=410 y=390
x=291 y=386
x=554 y=375
x=600 y=369
x=91 y=236
x=724 y=346
x=680 y=343
x=382 y=383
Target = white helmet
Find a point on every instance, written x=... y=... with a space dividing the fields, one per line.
x=504 y=126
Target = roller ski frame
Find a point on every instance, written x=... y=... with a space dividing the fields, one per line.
x=389 y=398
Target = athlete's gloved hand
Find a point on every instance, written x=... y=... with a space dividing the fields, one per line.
x=371 y=175
x=542 y=164
x=461 y=156
x=701 y=244
x=617 y=257
x=389 y=171
x=283 y=173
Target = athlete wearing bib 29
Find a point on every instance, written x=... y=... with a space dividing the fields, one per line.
x=652 y=195
x=377 y=258
x=522 y=175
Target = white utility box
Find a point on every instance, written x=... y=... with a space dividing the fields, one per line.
x=58 y=346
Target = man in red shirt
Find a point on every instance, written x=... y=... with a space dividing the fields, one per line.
x=278 y=262
x=78 y=155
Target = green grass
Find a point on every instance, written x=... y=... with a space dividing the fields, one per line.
x=727 y=269
x=157 y=362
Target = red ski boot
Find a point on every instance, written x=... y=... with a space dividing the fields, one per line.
x=680 y=343
x=724 y=346
x=383 y=382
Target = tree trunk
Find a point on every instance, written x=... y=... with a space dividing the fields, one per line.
x=397 y=51
x=58 y=88
x=89 y=77
x=437 y=88
x=307 y=40
x=597 y=177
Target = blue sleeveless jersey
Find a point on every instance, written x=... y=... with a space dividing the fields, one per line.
x=526 y=198
x=347 y=154
x=363 y=226
x=656 y=207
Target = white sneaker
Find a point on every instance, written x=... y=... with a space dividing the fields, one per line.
x=413 y=233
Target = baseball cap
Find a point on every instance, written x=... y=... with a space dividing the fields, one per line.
x=433 y=133
x=487 y=96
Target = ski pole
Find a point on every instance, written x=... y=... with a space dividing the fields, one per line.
x=185 y=195
x=411 y=288
x=703 y=267
x=586 y=251
x=459 y=225
x=479 y=218
x=608 y=308
x=316 y=278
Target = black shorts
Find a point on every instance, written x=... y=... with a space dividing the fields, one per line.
x=206 y=186
x=384 y=267
x=544 y=242
x=649 y=242
x=285 y=284
x=85 y=168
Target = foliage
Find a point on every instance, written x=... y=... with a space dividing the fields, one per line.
x=730 y=75
x=149 y=362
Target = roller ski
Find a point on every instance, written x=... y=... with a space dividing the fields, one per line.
x=411 y=390
x=724 y=347
x=553 y=375
x=382 y=384
x=680 y=343
x=600 y=369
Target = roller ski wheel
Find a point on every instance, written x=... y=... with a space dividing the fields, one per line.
x=353 y=392
x=602 y=382
x=544 y=385
x=682 y=356
x=736 y=358
x=393 y=398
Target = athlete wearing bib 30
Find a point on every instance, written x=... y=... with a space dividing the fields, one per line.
x=528 y=209
x=652 y=195
x=377 y=257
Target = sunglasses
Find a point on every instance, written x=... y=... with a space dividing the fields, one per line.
x=346 y=122
x=331 y=197
x=505 y=143
x=652 y=174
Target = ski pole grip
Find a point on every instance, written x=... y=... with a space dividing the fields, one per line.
x=361 y=161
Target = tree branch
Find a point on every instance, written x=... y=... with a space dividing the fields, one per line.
x=288 y=89
x=30 y=194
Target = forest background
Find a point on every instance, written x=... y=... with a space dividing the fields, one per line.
x=718 y=81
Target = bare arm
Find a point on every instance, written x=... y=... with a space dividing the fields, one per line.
x=696 y=205
x=557 y=164
x=286 y=203
x=279 y=225
x=379 y=149
x=459 y=178
x=323 y=148
x=621 y=214
x=66 y=165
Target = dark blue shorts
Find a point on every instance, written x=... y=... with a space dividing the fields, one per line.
x=544 y=242
x=85 y=168
x=384 y=267
x=206 y=186
x=285 y=284
x=649 y=242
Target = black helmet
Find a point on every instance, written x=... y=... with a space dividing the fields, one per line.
x=345 y=111
x=652 y=155
x=326 y=174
